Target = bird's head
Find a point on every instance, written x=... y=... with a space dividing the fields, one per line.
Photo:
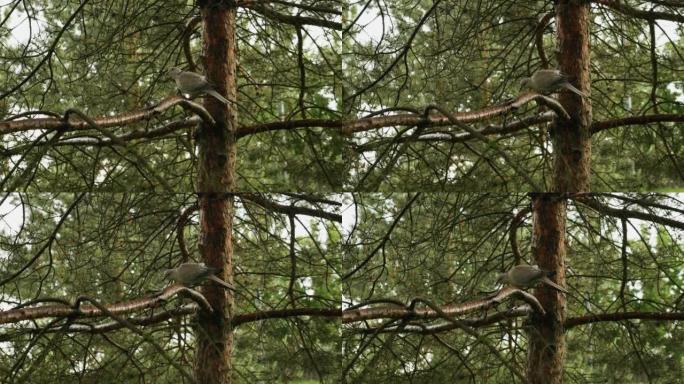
x=175 y=71
x=502 y=278
x=167 y=273
x=525 y=83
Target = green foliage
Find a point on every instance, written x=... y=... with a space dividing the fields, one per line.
x=448 y=249
x=113 y=247
x=111 y=60
x=467 y=56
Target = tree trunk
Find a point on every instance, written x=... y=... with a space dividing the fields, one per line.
x=216 y=181
x=572 y=138
x=546 y=350
x=572 y=146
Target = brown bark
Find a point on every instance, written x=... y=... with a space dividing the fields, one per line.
x=622 y=316
x=572 y=145
x=216 y=181
x=572 y=138
x=396 y=311
x=546 y=350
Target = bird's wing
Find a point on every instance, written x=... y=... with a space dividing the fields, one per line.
x=192 y=81
x=192 y=269
x=545 y=74
x=194 y=76
x=531 y=270
x=555 y=72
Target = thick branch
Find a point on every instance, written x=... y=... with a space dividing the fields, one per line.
x=395 y=312
x=10 y=126
x=431 y=329
x=620 y=316
x=445 y=136
x=366 y=124
x=288 y=125
x=285 y=313
x=539 y=37
x=635 y=120
x=109 y=326
x=85 y=311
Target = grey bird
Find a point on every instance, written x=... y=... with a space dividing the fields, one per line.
x=190 y=274
x=194 y=84
x=526 y=276
x=549 y=81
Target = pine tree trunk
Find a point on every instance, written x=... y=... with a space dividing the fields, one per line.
x=546 y=350
x=572 y=146
x=572 y=142
x=215 y=182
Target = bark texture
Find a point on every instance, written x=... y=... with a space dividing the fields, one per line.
x=546 y=350
x=216 y=182
x=572 y=138
x=572 y=146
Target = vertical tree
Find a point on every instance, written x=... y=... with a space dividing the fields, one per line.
x=216 y=182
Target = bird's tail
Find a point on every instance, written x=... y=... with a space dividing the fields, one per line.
x=218 y=96
x=221 y=282
x=550 y=283
x=571 y=88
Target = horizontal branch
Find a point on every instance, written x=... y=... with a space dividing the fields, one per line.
x=434 y=120
x=524 y=311
x=90 y=141
x=350 y=127
x=86 y=311
x=109 y=326
x=461 y=137
x=347 y=127
x=635 y=120
x=619 y=316
x=287 y=125
x=404 y=312
x=11 y=126
x=440 y=327
x=284 y=313
x=187 y=309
